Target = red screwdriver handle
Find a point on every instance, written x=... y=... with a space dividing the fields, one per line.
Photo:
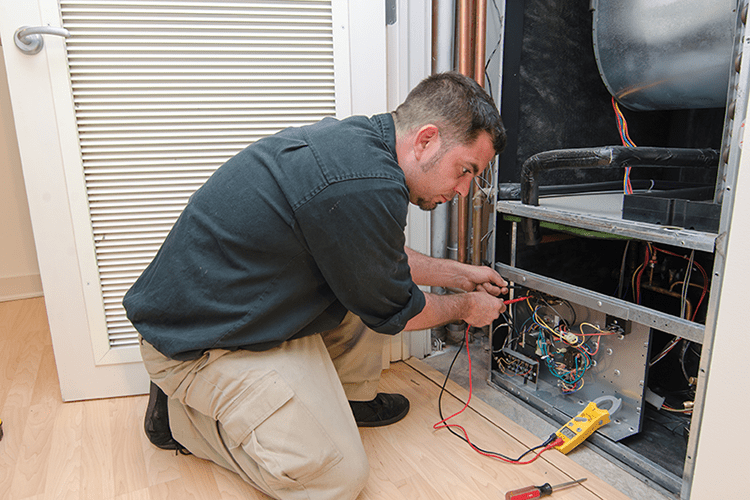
x=523 y=493
x=529 y=492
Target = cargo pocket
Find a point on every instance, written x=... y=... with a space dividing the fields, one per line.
x=277 y=431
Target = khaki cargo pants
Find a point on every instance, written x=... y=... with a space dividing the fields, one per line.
x=278 y=418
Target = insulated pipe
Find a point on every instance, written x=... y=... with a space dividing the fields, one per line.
x=512 y=190
x=607 y=156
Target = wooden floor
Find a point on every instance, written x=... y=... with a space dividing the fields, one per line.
x=97 y=449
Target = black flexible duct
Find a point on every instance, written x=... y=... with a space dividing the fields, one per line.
x=606 y=156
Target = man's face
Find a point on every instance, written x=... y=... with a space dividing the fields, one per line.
x=449 y=172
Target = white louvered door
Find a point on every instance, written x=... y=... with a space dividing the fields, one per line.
x=165 y=92
x=145 y=100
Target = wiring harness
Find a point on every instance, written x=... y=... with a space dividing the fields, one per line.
x=565 y=350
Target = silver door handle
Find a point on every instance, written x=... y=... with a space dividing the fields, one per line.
x=29 y=38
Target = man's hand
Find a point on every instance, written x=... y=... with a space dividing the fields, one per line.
x=475 y=308
x=482 y=308
x=479 y=307
x=481 y=278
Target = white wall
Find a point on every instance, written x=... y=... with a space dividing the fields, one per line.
x=19 y=272
x=721 y=464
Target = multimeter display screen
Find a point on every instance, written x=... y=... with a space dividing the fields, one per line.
x=567 y=432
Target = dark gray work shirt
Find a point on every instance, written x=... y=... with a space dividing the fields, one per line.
x=281 y=241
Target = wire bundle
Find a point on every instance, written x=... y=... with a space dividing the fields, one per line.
x=686 y=282
x=622 y=128
x=554 y=343
x=650 y=260
x=567 y=354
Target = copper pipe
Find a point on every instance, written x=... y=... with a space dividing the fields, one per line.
x=466 y=67
x=663 y=291
x=479 y=198
x=480 y=41
x=465 y=36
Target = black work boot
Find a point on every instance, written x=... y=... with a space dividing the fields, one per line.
x=156 y=423
x=385 y=409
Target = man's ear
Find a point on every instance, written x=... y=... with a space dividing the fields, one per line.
x=426 y=139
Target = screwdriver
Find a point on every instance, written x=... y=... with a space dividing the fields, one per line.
x=539 y=491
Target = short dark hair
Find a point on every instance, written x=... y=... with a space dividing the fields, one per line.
x=457 y=105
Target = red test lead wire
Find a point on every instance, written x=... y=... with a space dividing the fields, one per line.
x=443 y=424
x=513 y=301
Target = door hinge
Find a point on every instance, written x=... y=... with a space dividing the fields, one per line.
x=391 y=7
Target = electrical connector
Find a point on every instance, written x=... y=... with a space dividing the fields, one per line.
x=515 y=364
x=570 y=338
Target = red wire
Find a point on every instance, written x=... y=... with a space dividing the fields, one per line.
x=598 y=343
x=640 y=275
x=443 y=423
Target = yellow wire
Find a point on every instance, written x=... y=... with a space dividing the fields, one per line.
x=596 y=328
x=632 y=281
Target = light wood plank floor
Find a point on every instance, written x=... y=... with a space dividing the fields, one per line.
x=97 y=449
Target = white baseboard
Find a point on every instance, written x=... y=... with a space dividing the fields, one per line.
x=20 y=287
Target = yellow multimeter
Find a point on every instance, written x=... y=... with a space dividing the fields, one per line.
x=585 y=423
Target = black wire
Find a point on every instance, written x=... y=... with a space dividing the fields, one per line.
x=497 y=46
x=621 y=284
x=676 y=423
x=512 y=334
x=442 y=418
x=562 y=318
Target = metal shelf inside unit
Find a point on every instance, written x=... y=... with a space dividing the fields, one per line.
x=603 y=212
